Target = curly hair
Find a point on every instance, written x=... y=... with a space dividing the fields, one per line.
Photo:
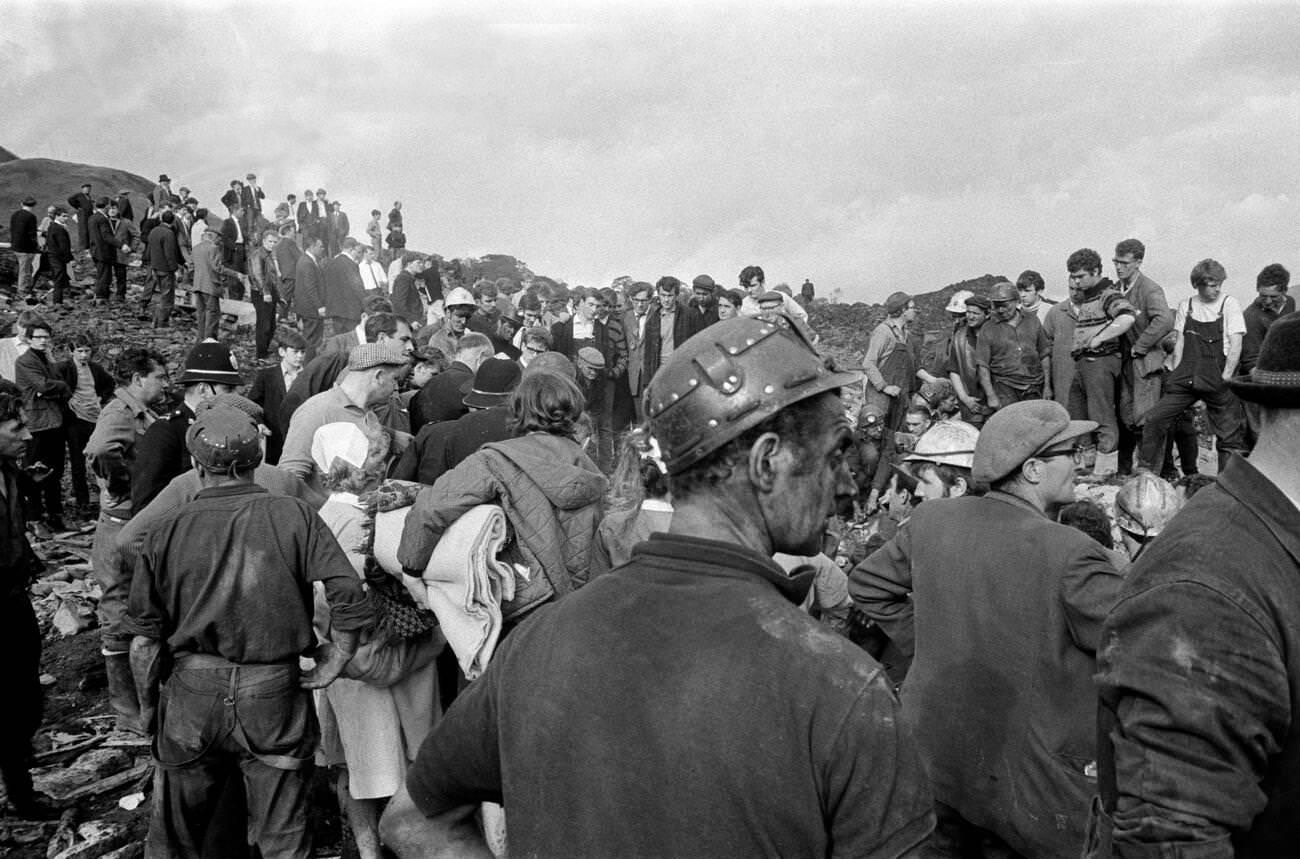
x=11 y=401
x=1084 y=259
x=136 y=361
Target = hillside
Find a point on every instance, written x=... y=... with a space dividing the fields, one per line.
x=6 y=155
x=844 y=328
x=51 y=181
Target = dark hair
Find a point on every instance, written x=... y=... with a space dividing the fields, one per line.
x=670 y=283
x=732 y=297
x=538 y=334
x=168 y=217
x=545 y=402
x=135 y=361
x=798 y=423
x=380 y=323
x=750 y=272
x=947 y=474
x=82 y=340
x=1088 y=517
x=375 y=213
x=1030 y=278
x=1205 y=269
x=485 y=289
x=287 y=338
x=200 y=214
x=1274 y=274
x=27 y=326
x=529 y=301
x=11 y=401
x=637 y=288
x=1131 y=247
x=434 y=357
x=376 y=304
x=1084 y=259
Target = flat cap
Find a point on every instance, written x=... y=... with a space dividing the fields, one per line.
x=369 y=355
x=1019 y=431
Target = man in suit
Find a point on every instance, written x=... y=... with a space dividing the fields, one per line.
x=309 y=293
x=343 y=290
x=251 y=195
x=123 y=201
x=22 y=236
x=667 y=326
x=308 y=214
x=264 y=273
x=271 y=383
x=58 y=245
x=339 y=227
x=209 y=275
x=233 y=245
x=162 y=192
x=344 y=341
x=322 y=227
x=287 y=252
x=84 y=205
x=164 y=260
x=640 y=295
x=1143 y=373
x=102 y=250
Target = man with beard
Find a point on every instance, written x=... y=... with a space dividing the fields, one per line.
x=1103 y=315
x=1012 y=351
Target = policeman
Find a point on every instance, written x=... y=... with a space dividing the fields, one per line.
x=694 y=655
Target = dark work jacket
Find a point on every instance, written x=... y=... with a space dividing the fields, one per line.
x=104 y=384
x=22 y=232
x=607 y=336
x=440 y=398
x=103 y=248
x=308 y=289
x=268 y=392
x=164 y=251
x=343 y=289
x=1258 y=321
x=58 y=244
x=84 y=207
x=697 y=321
x=45 y=394
x=160 y=455
x=1199 y=680
x=440 y=447
x=1004 y=633
x=19 y=565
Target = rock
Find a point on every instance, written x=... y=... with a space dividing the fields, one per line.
x=60 y=576
x=134 y=850
x=48 y=680
x=41 y=589
x=73 y=616
x=59 y=782
x=96 y=840
x=131 y=801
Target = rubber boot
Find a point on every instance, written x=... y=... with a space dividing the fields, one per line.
x=22 y=797
x=121 y=692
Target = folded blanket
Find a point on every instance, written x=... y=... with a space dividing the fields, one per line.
x=464 y=584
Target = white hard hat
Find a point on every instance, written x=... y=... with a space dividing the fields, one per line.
x=459 y=297
x=950 y=442
x=1145 y=504
x=957 y=304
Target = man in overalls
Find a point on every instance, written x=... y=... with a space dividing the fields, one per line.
x=1210 y=327
x=889 y=363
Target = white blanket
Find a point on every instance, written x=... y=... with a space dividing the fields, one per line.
x=464 y=584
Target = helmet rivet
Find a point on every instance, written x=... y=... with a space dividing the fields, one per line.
x=675 y=398
x=749 y=341
x=769 y=390
x=734 y=351
x=694 y=382
x=713 y=422
x=732 y=379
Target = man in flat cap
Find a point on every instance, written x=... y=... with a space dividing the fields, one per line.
x=1001 y=609
x=1199 y=669
x=220 y=611
x=889 y=363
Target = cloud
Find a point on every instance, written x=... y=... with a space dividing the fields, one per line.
x=866 y=146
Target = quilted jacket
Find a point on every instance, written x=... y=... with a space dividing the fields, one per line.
x=551 y=492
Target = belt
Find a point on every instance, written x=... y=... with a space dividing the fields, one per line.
x=207 y=660
x=115 y=519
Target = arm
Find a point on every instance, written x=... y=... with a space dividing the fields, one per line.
x=157 y=455
x=35 y=376
x=1233 y=358
x=986 y=382
x=1116 y=328
x=871 y=360
x=1176 y=357
x=450 y=835
x=436 y=507
x=1160 y=321
x=295 y=456
x=146 y=661
x=1089 y=588
x=1193 y=728
x=881 y=587
x=114 y=434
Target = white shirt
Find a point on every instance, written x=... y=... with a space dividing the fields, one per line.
x=1234 y=321
x=372 y=276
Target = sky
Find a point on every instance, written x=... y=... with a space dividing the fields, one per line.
x=870 y=147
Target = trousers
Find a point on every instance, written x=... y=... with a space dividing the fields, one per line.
x=46 y=497
x=114 y=581
x=164 y=283
x=207 y=315
x=20 y=671
x=1094 y=396
x=218 y=722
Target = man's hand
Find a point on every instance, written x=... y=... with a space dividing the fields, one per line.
x=891 y=390
x=330 y=661
x=1136 y=352
x=994 y=403
x=1228 y=374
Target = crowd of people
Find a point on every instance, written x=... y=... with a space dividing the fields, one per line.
x=694 y=657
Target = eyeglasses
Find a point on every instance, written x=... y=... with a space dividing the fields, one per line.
x=1075 y=452
x=1125 y=262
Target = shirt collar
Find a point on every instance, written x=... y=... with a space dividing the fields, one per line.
x=1261 y=496
x=132 y=401
x=727 y=558
x=1014 y=501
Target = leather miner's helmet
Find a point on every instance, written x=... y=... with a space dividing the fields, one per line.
x=1145 y=504
x=1004 y=290
x=729 y=378
x=224 y=439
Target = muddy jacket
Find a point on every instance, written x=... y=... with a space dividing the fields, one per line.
x=44 y=392
x=551 y=493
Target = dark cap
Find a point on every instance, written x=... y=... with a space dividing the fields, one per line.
x=1018 y=432
x=210 y=362
x=897 y=303
x=1275 y=380
x=493 y=382
x=224 y=439
x=703 y=281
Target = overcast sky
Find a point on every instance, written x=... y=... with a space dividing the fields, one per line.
x=867 y=146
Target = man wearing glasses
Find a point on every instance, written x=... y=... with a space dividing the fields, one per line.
x=1143 y=349
x=639 y=294
x=1271 y=301
x=1001 y=609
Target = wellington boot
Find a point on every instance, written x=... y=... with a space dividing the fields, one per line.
x=121 y=692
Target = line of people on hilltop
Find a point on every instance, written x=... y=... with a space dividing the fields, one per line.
x=1119 y=352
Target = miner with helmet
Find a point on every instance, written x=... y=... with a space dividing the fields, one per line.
x=1001 y=608
x=710 y=715
x=220 y=610
x=1012 y=352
